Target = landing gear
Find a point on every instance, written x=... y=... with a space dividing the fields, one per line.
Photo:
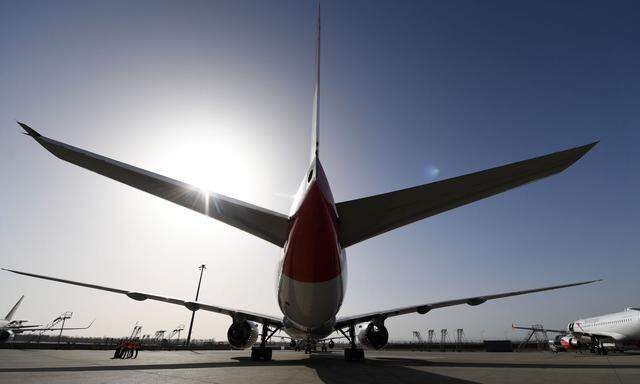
x=262 y=352
x=598 y=347
x=353 y=353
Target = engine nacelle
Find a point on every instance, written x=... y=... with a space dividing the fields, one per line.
x=242 y=334
x=374 y=336
x=5 y=335
x=331 y=344
x=569 y=342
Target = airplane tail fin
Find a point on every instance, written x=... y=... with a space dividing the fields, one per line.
x=14 y=309
x=315 y=123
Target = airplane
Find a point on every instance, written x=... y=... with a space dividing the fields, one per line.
x=312 y=271
x=618 y=331
x=9 y=327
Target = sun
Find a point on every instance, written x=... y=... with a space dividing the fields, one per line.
x=211 y=165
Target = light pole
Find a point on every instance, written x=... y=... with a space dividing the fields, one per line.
x=193 y=313
x=63 y=317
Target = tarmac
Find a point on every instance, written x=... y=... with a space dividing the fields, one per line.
x=81 y=366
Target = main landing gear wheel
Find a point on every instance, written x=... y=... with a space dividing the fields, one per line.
x=354 y=354
x=261 y=353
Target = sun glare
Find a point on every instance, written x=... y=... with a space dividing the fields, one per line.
x=212 y=166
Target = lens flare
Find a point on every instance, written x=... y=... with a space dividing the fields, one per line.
x=432 y=171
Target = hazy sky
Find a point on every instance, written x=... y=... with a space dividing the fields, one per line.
x=219 y=93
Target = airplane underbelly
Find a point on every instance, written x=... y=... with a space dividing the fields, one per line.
x=310 y=306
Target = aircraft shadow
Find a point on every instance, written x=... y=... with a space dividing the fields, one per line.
x=453 y=364
x=330 y=370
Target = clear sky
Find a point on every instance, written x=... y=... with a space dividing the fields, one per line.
x=219 y=93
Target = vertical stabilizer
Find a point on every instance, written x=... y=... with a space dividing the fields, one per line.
x=13 y=310
x=315 y=123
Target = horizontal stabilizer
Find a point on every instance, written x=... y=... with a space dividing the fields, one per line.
x=263 y=223
x=367 y=217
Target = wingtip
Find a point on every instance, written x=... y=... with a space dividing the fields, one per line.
x=576 y=153
x=28 y=130
x=586 y=148
x=591 y=145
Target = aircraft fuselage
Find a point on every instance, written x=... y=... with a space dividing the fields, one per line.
x=623 y=328
x=313 y=271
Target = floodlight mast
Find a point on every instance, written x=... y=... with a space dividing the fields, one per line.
x=63 y=317
x=193 y=312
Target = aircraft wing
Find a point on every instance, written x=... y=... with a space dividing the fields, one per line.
x=513 y=326
x=22 y=329
x=24 y=326
x=367 y=217
x=190 y=305
x=424 y=308
x=265 y=224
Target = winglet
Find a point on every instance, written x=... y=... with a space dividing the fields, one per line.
x=28 y=130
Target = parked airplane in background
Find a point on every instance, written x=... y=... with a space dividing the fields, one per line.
x=619 y=331
x=9 y=327
x=312 y=271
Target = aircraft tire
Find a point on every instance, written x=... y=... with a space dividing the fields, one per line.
x=258 y=353
x=354 y=354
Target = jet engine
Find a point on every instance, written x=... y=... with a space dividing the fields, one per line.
x=242 y=334
x=5 y=335
x=374 y=336
x=331 y=344
x=569 y=342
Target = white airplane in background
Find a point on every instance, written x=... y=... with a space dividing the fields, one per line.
x=9 y=327
x=312 y=272
x=619 y=331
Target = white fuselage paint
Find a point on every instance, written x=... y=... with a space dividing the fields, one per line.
x=622 y=327
x=310 y=308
